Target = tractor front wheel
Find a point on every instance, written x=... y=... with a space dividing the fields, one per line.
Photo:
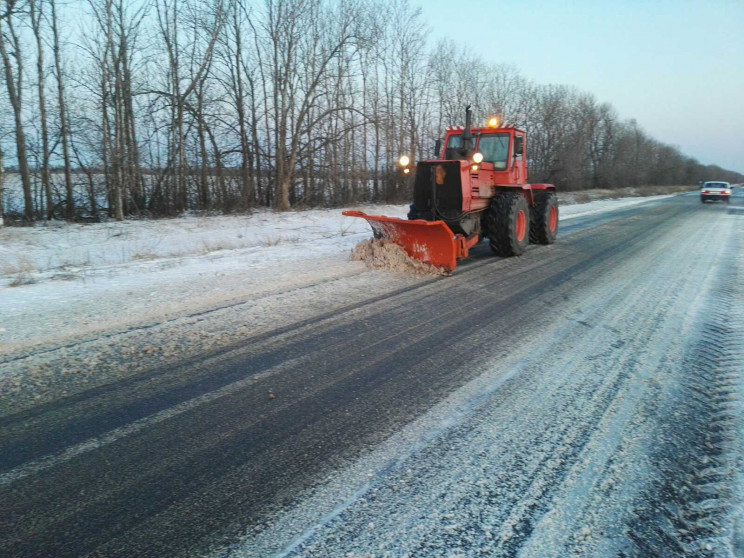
x=508 y=224
x=544 y=227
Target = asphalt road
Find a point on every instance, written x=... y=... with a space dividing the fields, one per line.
x=193 y=459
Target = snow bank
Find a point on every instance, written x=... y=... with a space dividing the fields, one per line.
x=265 y=234
x=385 y=254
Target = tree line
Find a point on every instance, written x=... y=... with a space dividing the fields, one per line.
x=114 y=107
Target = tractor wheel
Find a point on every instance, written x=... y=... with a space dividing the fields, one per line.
x=508 y=224
x=544 y=222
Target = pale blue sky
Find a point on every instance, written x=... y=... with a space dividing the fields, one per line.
x=677 y=66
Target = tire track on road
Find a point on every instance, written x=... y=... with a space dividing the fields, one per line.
x=689 y=509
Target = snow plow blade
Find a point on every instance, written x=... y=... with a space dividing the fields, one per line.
x=431 y=242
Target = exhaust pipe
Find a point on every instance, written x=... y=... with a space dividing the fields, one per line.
x=467 y=135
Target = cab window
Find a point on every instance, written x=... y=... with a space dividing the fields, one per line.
x=495 y=149
x=453 y=147
x=454 y=142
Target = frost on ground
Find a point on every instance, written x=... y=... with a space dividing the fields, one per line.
x=64 y=281
x=89 y=322
x=83 y=304
x=67 y=251
x=385 y=254
x=72 y=248
x=613 y=431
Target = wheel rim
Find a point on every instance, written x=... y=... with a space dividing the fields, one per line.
x=521 y=225
x=553 y=220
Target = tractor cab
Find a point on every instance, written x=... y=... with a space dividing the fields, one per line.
x=497 y=149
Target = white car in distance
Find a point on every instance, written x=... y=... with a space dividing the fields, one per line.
x=714 y=190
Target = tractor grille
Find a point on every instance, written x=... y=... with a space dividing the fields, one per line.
x=448 y=194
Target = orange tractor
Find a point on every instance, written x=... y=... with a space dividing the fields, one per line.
x=476 y=188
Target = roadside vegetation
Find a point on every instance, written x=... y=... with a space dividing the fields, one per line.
x=113 y=108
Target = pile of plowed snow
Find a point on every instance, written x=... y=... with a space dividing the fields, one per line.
x=385 y=254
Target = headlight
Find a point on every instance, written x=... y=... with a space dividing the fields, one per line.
x=493 y=122
x=478 y=158
x=404 y=161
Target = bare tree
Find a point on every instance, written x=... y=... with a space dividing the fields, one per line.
x=303 y=39
x=169 y=21
x=37 y=13
x=184 y=104
x=2 y=186
x=62 y=104
x=10 y=46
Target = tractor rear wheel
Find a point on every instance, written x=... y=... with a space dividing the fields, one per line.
x=508 y=224
x=544 y=222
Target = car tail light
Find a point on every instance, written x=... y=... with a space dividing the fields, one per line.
x=726 y=192
x=704 y=192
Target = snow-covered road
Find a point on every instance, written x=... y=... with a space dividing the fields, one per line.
x=582 y=400
x=611 y=430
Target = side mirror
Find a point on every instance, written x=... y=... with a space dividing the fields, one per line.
x=437 y=149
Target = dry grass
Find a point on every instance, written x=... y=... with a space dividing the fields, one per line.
x=582 y=197
x=209 y=246
x=66 y=276
x=143 y=250
x=22 y=279
x=272 y=240
x=144 y=255
x=83 y=261
x=21 y=265
x=345 y=229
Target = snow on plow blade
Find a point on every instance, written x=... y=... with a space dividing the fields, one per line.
x=431 y=242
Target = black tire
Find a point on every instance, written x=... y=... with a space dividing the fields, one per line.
x=502 y=221
x=544 y=218
x=702 y=200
